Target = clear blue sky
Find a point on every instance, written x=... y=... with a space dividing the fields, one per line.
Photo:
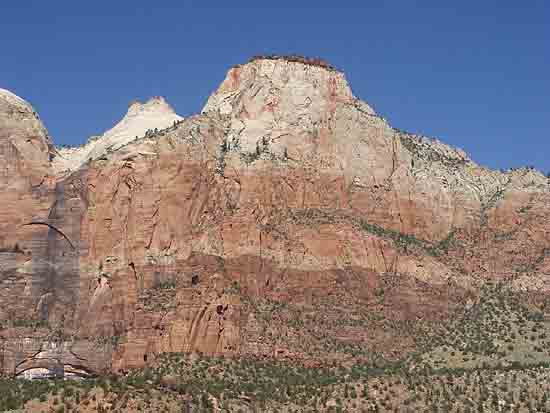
x=475 y=74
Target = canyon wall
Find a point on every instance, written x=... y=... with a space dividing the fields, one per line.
x=259 y=227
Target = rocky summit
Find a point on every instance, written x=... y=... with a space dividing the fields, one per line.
x=288 y=221
x=141 y=118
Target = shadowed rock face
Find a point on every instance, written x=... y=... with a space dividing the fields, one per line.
x=286 y=194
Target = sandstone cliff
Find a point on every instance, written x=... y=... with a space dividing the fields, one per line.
x=140 y=119
x=288 y=219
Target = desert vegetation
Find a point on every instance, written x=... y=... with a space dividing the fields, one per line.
x=176 y=382
x=311 y=61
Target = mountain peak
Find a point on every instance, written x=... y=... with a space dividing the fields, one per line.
x=14 y=100
x=280 y=93
x=25 y=146
x=155 y=113
x=278 y=82
x=285 y=70
x=156 y=104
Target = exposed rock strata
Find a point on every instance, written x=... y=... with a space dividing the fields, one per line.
x=140 y=119
x=285 y=191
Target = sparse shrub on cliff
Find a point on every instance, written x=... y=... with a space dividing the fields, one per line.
x=160 y=297
x=234 y=288
x=310 y=61
x=224 y=147
x=402 y=240
x=167 y=285
x=250 y=157
x=30 y=323
x=220 y=166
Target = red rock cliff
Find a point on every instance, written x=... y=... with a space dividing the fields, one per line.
x=260 y=227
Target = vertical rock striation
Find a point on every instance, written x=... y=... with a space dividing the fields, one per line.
x=263 y=226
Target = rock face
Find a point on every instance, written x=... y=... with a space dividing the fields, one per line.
x=26 y=147
x=25 y=182
x=288 y=219
x=141 y=118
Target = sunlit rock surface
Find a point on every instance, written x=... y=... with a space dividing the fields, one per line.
x=286 y=189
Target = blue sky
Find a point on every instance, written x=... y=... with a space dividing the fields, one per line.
x=475 y=74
